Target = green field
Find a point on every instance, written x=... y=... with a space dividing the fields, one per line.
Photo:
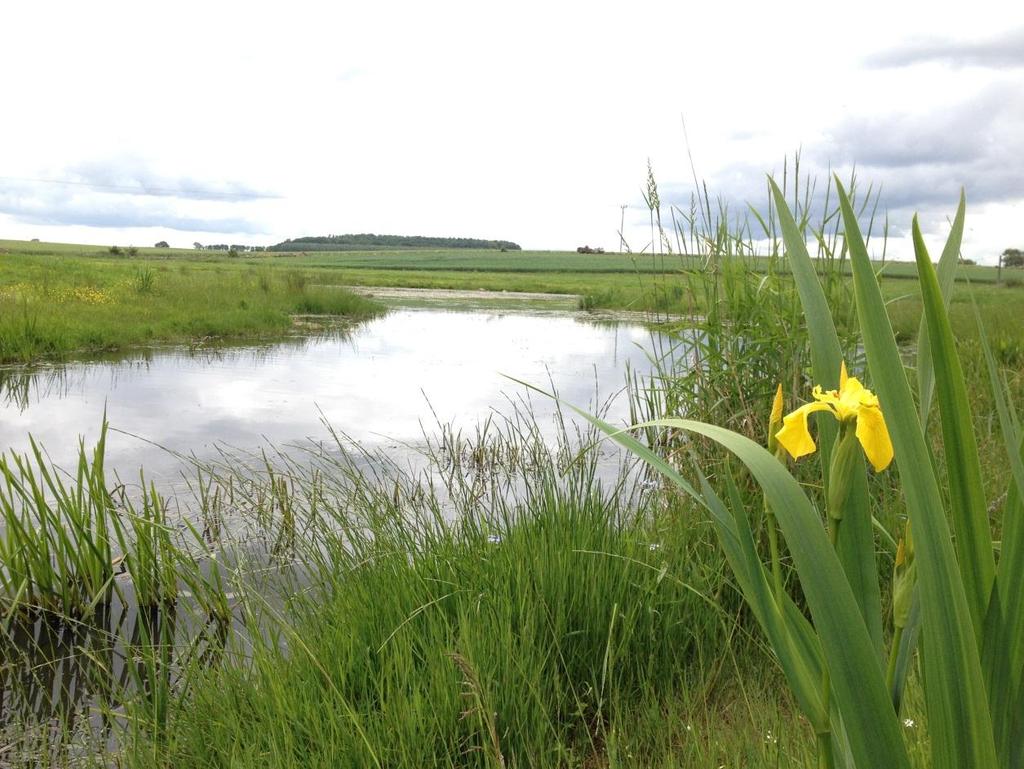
x=61 y=301
x=58 y=300
x=461 y=260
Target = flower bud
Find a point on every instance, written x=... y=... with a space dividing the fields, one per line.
x=842 y=470
x=904 y=578
x=775 y=422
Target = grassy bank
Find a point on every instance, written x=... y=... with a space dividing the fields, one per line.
x=512 y=608
x=61 y=299
x=565 y=629
x=54 y=305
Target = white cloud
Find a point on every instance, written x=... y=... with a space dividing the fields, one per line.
x=530 y=122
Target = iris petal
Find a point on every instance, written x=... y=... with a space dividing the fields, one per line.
x=794 y=436
x=825 y=396
x=874 y=437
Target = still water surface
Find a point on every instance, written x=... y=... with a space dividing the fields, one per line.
x=383 y=384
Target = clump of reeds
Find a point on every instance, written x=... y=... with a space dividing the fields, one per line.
x=741 y=330
x=57 y=545
x=65 y=540
x=93 y=583
x=849 y=663
x=513 y=601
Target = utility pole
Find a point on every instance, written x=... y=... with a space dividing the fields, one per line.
x=622 y=226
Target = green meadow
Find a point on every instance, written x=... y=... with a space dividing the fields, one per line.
x=62 y=300
x=760 y=583
x=59 y=301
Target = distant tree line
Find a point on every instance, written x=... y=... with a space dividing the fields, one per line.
x=225 y=247
x=369 y=240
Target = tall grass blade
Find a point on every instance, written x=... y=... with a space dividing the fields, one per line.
x=955 y=695
x=857 y=680
x=788 y=631
x=826 y=353
x=1003 y=653
x=946 y=272
x=1008 y=422
x=966 y=496
x=855 y=544
x=925 y=388
x=905 y=653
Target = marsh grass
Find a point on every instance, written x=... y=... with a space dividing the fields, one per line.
x=948 y=587
x=69 y=686
x=521 y=600
x=513 y=607
x=55 y=307
x=60 y=300
x=65 y=538
x=740 y=331
x=89 y=572
x=105 y=604
x=56 y=534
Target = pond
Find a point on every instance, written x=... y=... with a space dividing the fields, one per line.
x=383 y=384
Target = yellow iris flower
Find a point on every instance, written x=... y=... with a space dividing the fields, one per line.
x=852 y=402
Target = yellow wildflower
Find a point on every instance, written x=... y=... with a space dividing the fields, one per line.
x=851 y=403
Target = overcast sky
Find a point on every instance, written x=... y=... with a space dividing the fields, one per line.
x=253 y=122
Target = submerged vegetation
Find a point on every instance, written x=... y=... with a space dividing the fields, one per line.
x=528 y=601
